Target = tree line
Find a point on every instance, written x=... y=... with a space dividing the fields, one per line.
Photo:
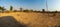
x=2 y=9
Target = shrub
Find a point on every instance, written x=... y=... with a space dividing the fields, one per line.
x=26 y=10
x=15 y=10
x=31 y=10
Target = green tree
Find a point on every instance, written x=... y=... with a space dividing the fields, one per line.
x=26 y=10
x=43 y=10
x=11 y=8
x=2 y=9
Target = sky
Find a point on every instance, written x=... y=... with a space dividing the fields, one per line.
x=53 y=5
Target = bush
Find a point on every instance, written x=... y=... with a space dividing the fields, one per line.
x=31 y=10
x=15 y=10
x=26 y=10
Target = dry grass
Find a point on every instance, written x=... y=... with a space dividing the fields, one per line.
x=35 y=19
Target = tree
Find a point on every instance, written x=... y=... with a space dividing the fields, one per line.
x=2 y=9
x=26 y=10
x=11 y=8
x=35 y=10
x=31 y=10
x=43 y=10
x=56 y=11
x=21 y=9
x=15 y=10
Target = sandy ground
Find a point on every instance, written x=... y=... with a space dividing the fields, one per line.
x=35 y=19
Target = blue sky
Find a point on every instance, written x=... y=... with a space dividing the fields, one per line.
x=53 y=5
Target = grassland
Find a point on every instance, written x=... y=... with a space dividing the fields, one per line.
x=32 y=19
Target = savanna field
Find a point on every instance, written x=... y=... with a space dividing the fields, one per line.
x=29 y=13
x=29 y=19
